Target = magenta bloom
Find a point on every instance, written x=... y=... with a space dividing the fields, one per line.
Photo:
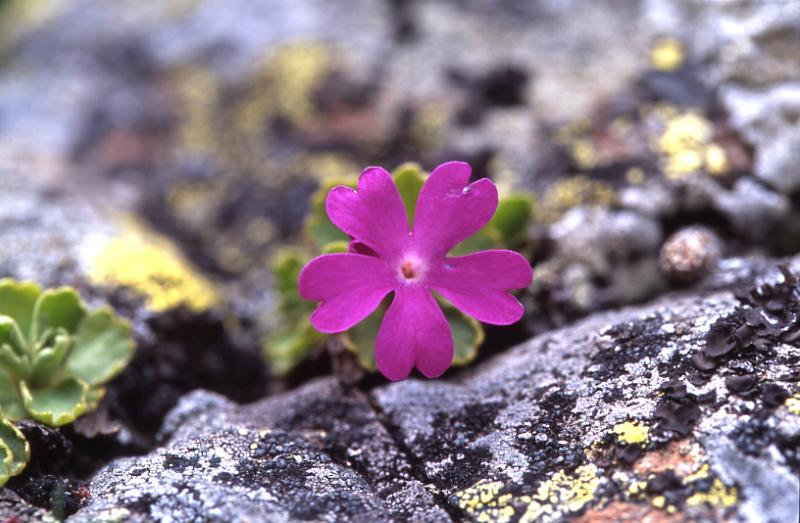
x=387 y=256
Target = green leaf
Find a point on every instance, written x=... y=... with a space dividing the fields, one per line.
x=286 y=269
x=335 y=247
x=13 y=363
x=16 y=448
x=57 y=308
x=486 y=238
x=360 y=339
x=318 y=227
x=94 y=397
x=102 y=348
x=17 y=300
x=11 y=403
x=49 y=359
x=512 y=219
x=467 y=335
x=58 y=405
x=409 y=178
x=287 y=348
x=12 y=336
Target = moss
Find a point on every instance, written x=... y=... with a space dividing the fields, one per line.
x=151 y=265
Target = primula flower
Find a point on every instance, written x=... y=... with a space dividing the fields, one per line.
x=386 y=255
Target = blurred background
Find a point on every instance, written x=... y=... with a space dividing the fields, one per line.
x=170 y=158
x=655 y=137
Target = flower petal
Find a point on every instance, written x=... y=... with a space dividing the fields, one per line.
x=413 y=332
x=374 y=214
x=350 y=287
x=478 y=284
x=449 y=211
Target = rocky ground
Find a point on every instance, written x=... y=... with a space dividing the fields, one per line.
x=154 y=157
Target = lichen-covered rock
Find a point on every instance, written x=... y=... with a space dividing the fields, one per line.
x=685 y=408
x=319 y=453
x=611 y=413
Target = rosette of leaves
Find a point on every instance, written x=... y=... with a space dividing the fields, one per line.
x=55 y=357
x=293 y=343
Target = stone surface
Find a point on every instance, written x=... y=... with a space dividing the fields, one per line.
x=319 y=453
x=608 y=416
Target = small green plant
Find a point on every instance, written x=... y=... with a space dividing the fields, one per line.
x=55 y=357
x=296 y=340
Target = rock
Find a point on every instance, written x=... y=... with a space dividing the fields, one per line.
x=317 y=453
x=14 y=509
x=751 y=208
x=689 y=254
x=603 y=418
x=768 y=120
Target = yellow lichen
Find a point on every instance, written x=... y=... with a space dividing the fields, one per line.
x=285 y=84
x=635 y=176
x=659 y=501
x=632 y=433
x=198 y=92
x=719 y=495
x=793 y=404
x=637 y=488
x=151 y=265
x=584 y=154
x=667 y=54
x=573 y=192
x=701 y=473
x=482 y=503
x=716 y=160
x=686 y=147
x=563 y=494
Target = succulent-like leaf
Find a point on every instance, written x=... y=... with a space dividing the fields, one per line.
x=57 y=308
x=318 y=227
x=11 y=405
x=13 y=363
x=50 y=358
x=14 y=451
x=467 y=332
x=94 y=397
x=360 y=339
x=17 y=300
x=286 y=269
x=56 y=405
x=102 y=348
x=512 y=219
x=467 y=335
x=409 y=178
x=485 y=239
x=335 y=247
x=287 y=348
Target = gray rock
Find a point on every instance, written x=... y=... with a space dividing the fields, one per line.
x=318 y=453
x=767 y=118
x=575 y=421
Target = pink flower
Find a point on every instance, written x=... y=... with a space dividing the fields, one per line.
x=387 y=256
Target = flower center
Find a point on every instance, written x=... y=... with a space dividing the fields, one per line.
x=407 y=269
x=411 y=269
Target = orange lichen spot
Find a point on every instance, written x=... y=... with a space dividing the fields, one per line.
x=682 y=457
x=629 y=512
